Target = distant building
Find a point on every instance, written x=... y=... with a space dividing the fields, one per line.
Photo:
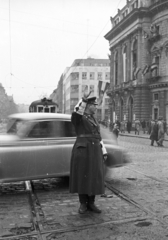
x=138 y=44
x=7 y=104
x=83 y=76
x=23 y=108
x=57 y=95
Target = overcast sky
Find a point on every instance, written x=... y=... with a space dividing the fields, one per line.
x=40 y=38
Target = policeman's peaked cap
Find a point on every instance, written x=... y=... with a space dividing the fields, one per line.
x=92 y=100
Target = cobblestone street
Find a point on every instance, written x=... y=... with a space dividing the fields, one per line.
x=135 y=206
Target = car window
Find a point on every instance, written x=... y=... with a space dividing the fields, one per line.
x=63 y=129
x=49 y=129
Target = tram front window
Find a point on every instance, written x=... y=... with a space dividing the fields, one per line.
x=46 y=109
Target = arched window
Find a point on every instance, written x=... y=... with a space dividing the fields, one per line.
x=134 y=58
x=155 y=66
x=124 y=63
x=116 y=68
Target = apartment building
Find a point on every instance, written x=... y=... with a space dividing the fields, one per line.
x=138 y=42
x=84 y=76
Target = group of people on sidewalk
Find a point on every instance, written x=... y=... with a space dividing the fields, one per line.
x=158 y=130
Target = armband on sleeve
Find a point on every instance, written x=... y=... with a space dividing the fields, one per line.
x=80 y=107
x=103 y=148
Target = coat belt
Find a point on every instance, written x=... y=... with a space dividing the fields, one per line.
x=89 y=135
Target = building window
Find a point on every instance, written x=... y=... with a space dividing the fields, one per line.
x=99 y=76
x=116 y=69
x=84 y=75
x=156 y=96
x=99 y=113
x=106 y=101
x=106 y=113
x=134 y=59
x=75 y=76
x=74 y=101
x=107 y=76
x=74 y=88
x=124 y=63
x=92 y=88
x=116 y=21
x=92 y=76
x=84 y=89
x=156 y=113
x=155 y=66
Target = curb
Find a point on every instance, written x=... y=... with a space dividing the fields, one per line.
x=137 y=136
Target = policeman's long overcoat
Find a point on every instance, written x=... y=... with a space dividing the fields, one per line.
x=86 y=171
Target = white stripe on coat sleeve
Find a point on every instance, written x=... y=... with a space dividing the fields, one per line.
x=103 y=148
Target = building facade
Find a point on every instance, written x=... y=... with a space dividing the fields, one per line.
x=138 y=42
x=57 y=95
x=84 y=76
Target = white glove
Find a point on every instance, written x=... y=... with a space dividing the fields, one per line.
x=103 y=148
x=80 y=107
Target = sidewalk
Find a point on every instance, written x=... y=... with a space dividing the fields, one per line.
x=141 y=135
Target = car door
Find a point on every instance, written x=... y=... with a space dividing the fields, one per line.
x=53 y=158
x=44 y=150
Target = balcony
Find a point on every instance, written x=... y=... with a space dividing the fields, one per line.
x=153 y=79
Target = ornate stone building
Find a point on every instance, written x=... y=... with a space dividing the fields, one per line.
x=138 y=44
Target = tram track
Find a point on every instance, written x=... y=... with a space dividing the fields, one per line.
x=38 y=216
x=148 y=176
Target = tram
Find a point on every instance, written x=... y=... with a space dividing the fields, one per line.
x=43 y=105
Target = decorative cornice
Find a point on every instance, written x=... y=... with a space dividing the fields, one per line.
x=158 y=6
x=159 y=85
x=133 y=16
x=125 y=87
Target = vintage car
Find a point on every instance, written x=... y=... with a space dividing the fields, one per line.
x=39 y=145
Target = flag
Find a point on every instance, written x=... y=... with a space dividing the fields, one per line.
x=153 y=66
x=102 y=87
x=106 y=86
x=136 y=71
x=145 y=70
x=99 y=87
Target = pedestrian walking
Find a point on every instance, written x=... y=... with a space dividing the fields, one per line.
x=154 y=132
x=116 y=132
x=160 y=132
x=122 y=127
x=118 y=123
x=143 y=124
x=129 y=125
x=137 y=126
x=88 y=155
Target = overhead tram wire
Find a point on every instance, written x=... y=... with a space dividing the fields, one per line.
x=95 y=39
x=67 y=69
x=10 y=48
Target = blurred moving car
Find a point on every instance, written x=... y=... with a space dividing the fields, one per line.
x=39 y=145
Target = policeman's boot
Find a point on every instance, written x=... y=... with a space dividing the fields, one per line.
x=91 y=205
x=83 y=199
